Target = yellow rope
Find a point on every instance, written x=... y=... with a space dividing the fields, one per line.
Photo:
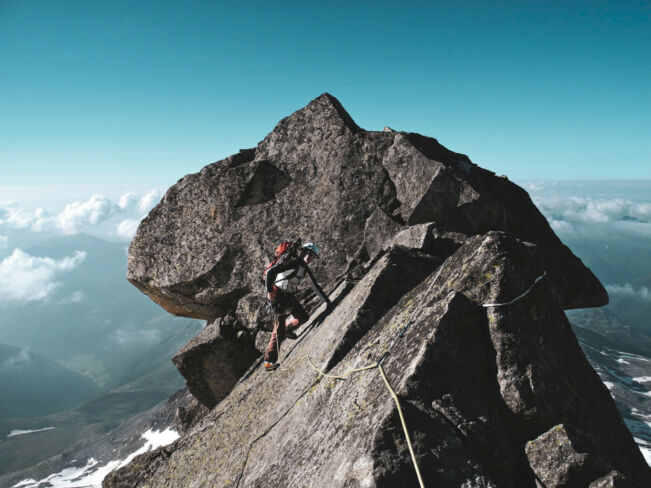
x=404 y=426
x=345 y=375
x=342 y=376
x=378 y=365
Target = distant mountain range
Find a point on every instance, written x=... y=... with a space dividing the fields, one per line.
x=93 y=354
x=33 y=385
x=617 y=338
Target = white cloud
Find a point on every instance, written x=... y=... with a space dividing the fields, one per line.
x=75 y=297
x=148 y=201
x=131 y=202
x=128 y=200
x=642 y=293
x=142 y=204
x=534 y=186
x=98 y=215
x=590 y=217
x=127 y=336
x=127 y=228
x=13 y=216
x=588 y=210
x=78 y=215
x=41 y=219
x=3 y=241
x=560 y=226
x=28 y=278
x=21 y=357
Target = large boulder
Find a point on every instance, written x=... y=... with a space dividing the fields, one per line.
x=558 y=459
x=319 y=176
x=212 y=362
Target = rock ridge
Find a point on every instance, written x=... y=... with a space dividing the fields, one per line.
x=416 y=240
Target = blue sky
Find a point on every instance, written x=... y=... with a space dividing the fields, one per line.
x=141 y=93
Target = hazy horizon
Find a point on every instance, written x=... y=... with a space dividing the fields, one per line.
x=120 y=91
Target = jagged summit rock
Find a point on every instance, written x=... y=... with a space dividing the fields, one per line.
x=319 y=176
x=324 y=115
x=418 y=246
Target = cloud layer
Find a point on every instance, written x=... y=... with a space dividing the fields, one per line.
x=125 y=336
x=593 y=211
x=78 y=215
x=28 y=278
x=594 y=208
x=627 y=290
x=16 y=360
x=98 y=215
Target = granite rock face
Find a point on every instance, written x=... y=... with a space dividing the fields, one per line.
x=483 y=389
x=421 y=251
x=559 y=460
x=202 y=363
x=319 y=176
x=189 y=412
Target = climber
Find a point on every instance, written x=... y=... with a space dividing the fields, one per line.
x=281 y=282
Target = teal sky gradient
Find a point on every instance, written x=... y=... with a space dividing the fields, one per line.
x=145 y=92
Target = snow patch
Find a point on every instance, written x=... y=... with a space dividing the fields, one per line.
x=91 y=475
x=24 y=483
x=645 y=418
x=628 y=355
x=642 y=379
x=14 y=433
x=645 y=448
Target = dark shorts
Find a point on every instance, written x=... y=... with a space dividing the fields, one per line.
x=287 y=303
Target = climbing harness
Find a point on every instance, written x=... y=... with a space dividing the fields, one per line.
x=414 y=317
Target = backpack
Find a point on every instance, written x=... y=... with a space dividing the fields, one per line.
x=284 y=250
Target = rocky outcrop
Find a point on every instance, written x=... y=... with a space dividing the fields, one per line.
x=446 y=274
x=559 y=459
x=189 y=412
x=483 y=389
x=319 y=176
x=201 y=362
x=140 y=470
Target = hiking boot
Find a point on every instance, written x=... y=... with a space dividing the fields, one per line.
x=291 y=335
x=270 y=366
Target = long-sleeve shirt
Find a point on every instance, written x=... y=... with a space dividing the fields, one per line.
x=287 y=274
